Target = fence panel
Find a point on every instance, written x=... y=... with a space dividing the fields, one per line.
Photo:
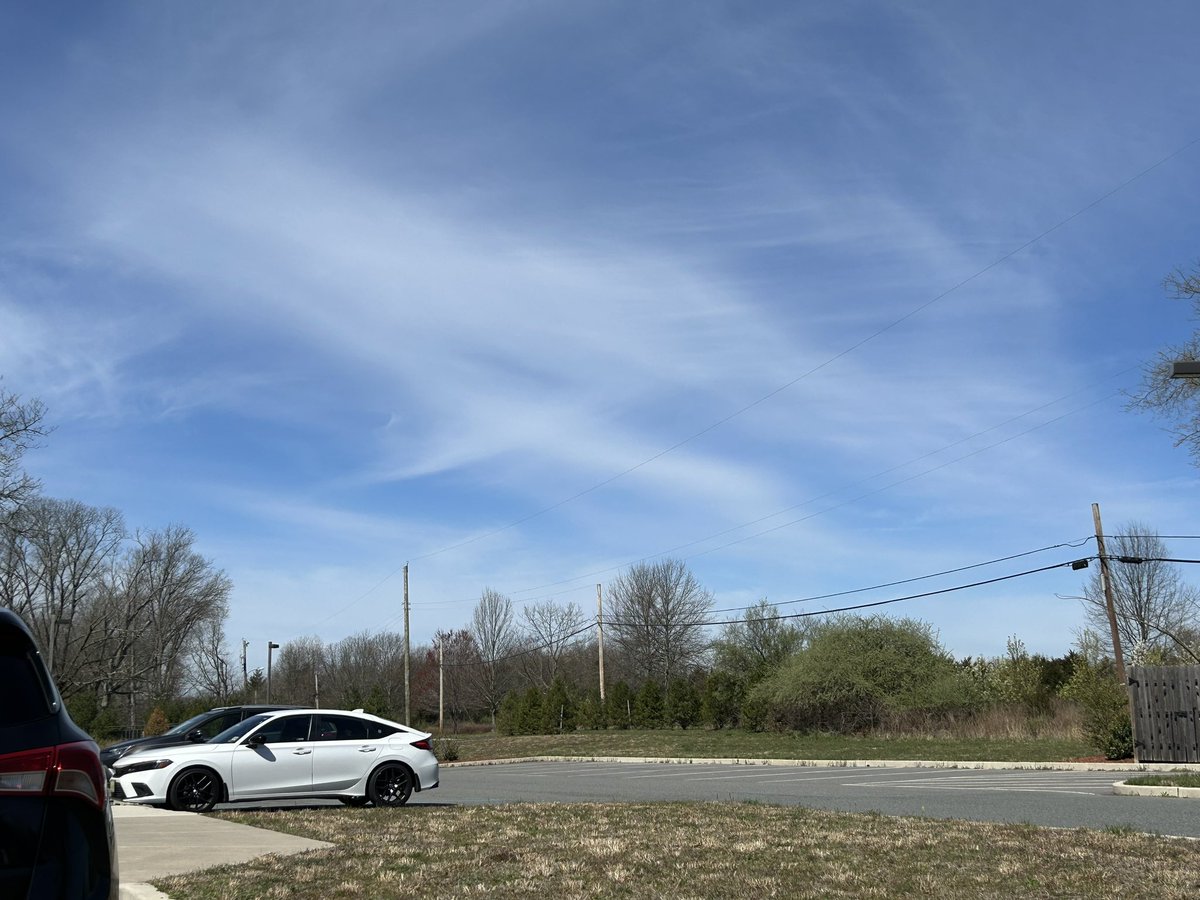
x=1166 y=713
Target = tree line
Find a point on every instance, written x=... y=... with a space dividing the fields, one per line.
x=126 y=620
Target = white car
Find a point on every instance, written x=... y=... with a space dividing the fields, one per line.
x=296 y=753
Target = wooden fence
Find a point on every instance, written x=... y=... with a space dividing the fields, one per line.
x=1166 y=713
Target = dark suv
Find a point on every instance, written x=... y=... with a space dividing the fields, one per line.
x=197 y=729
x=56 y=828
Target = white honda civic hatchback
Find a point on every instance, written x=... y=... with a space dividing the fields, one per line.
x=296 y=753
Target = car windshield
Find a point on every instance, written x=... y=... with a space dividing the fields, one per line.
x=189 y=725
x=231 y=734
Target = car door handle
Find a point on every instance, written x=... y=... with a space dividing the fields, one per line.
x=367 y=749
x=302 y=751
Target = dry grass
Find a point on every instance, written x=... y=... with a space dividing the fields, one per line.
x=702 y=743
x=690 y=850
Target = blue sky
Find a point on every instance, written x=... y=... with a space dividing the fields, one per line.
x=341 y=286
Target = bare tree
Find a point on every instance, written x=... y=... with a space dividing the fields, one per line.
x=755 y=646
x=1151 y=601
x=1176 y=399
x=178 y=591
x=460 y=658
x=495 y=639
x=549 y=633
x=296 y=669
x=21 y=426
x=210 y=670
x=658 y=619
x=56 y=555
x=367 y=665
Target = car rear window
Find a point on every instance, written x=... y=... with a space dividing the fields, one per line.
x=25 y=692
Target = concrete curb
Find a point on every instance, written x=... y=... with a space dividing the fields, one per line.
x=142 y=892
x=850 y=763
x=1146 y=790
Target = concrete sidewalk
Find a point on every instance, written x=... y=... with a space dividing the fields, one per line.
x=152 y=843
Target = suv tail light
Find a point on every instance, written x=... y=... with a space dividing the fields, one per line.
x=423 y=744
x=66 y=770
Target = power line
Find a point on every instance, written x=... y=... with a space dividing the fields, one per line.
x=877 y=587
x=826 y=612
x=592 y=575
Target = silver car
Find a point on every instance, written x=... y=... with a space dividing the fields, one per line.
x=350 y=756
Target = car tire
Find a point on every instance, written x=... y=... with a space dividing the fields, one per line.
x=195 y=790
x=390 y=785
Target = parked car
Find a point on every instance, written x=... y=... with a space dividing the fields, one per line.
x=195 y=730
x=298 y=753
x=56 y=827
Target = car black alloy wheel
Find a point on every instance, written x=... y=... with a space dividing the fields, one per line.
x=195 y=790
x=391 y=785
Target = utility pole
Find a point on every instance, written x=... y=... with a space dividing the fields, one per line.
x=1106 y=582
x=441 y=691
x=407 y=709
x=271 y=645
x=316 y=687
x=600 y=637
x=245 y=676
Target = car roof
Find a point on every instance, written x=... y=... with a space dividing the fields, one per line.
x=357 y=713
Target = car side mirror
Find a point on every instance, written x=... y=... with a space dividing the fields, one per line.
x=256 y=740
x=197 y=736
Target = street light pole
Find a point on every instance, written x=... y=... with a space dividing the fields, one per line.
x=271 y=645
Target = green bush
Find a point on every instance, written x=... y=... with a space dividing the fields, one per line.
x=591 y=713
x=683 y=703
x=558 y=708
x=855 y=672
x=723 y=697
x=648 y=707
x=1105 y=704
x=619 y=704
x=105 y=726
x=84 y=708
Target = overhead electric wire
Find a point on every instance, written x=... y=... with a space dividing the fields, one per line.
x=524 y=651
x=855 y=499
x=826 y=612
x=879 y=587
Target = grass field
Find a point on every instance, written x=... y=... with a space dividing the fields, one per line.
x=700 y=850
x=751 y=745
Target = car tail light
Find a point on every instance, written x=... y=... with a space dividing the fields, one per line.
x=423 y=744
x=68 y=769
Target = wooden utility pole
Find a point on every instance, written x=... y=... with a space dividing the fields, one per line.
x=600 y=636
x=1106 y=582
x=407 y=708
x=441 y=691
x=245 y=676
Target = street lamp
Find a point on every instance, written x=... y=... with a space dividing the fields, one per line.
x=271 y=645
x=1185 y=369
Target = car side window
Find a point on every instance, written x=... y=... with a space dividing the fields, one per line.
x=217 y=724
x=376 y=730
x=286 y=730
x=339 y=728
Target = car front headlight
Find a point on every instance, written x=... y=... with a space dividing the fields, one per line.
x=141 y=766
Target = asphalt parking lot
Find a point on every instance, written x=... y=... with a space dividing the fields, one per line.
x=1062 y=799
